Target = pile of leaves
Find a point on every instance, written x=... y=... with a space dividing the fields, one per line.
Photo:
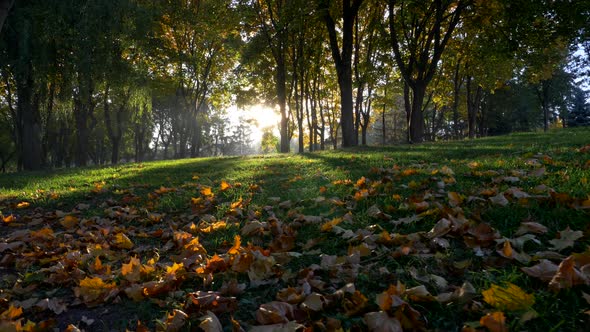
x=398 y=249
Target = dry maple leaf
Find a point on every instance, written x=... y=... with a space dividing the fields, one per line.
x=566 y=239
x=132 y=270
x=69 y=221
x=531 y=227
x=274 y=313
x=545 y=270
x=122 y=241
x=495 y=322
x=235 y=249
x=175 y=321
x=381 y=322
x=510 y=297
x=210 y=323
x=224 y=185
x=11 y=313
x=93 y=289
x=567 y=276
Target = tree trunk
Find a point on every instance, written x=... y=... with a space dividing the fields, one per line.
x=28 y=117
x=408 y=109
x=281 y=86
x=457 y=82
x=343 y=63
x=417 y=116
x=5 y=6
x=473 y=105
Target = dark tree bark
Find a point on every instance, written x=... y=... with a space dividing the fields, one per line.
x=543 y=94
x=473 y=106
x=5 y=6
x=424 y=40
x=457 y=82
x=28 y=118
x=343 y=62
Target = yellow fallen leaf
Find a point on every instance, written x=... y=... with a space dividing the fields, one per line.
x=92 y=289
x=224 y=185
x=23 y=205
x=122 y=241
x=510 y=297
x=235 y=249
x=206 y=191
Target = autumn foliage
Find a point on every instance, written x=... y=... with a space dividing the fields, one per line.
x=382 y=251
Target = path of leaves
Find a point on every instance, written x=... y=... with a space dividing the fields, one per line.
x=56 y=261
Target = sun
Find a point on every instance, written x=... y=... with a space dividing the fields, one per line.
x=260 y=116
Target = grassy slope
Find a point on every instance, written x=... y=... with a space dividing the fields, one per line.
x=299 y=179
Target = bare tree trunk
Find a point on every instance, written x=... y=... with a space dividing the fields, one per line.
x=5 y=6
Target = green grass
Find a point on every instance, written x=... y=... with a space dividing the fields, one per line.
x=477 y=165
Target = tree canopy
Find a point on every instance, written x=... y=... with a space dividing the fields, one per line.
x=101 y=81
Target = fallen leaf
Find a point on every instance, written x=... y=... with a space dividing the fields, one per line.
x=69 y=221
x=531 y=227
x=274 y=313
x=509 y=297
x=224 y=185
x=495 y=322
x=93 y=289
x=566 y=239
x=210 y=323
x=381 y=322
x=567 y=276
x=499 y=199
x=545 y=270
x=122 y=241
x=11 y=313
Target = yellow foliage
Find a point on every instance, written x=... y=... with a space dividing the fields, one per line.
x=510 y=297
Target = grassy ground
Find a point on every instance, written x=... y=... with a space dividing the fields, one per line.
x=412 y=234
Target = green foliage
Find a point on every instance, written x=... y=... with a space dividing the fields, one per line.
x=269 y=143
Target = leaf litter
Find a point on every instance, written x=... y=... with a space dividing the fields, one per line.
x=134 y=253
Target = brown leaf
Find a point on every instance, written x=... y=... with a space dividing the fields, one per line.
x=313 y=302
x=566 y=239
x=531 y=227
x=381 y=322
x=175 y=321
x=441 y=228
x=499 y=199
x=545 y=270
x=274 y=313
x=567 y=276
x=210 y=323
x=288 y=327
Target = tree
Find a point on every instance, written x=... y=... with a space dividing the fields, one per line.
x=579 y=115
x=342 y=57
x=419 y=35
x=270 y=142
x=5 y=6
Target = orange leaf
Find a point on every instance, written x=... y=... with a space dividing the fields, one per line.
x=507 y=249
x=8 y=219
x=11 y=313
x=23 y=205
x=225 y=186
x=495 y=322
x=235 y=249
x=131 y=271
x=206 y=191
x=69 y=221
